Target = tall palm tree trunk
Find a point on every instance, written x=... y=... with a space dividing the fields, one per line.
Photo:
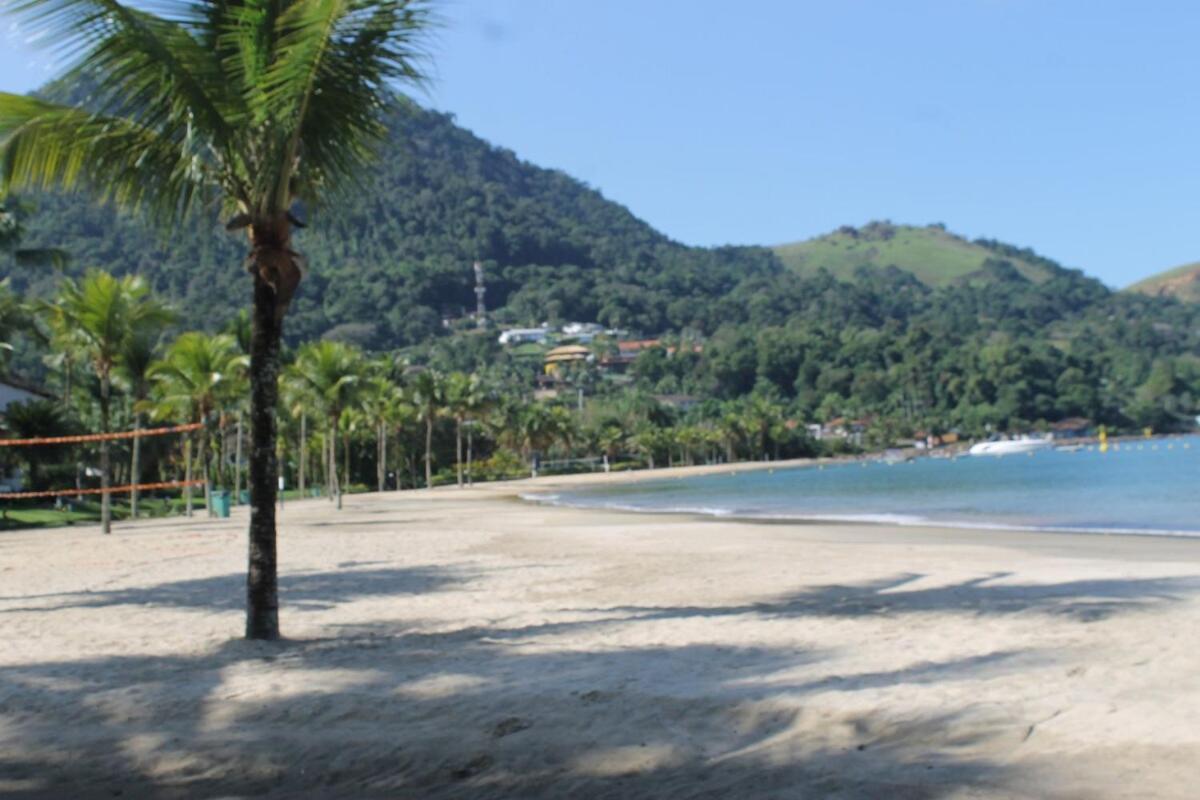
x=402 y=461
x=187 y=474
x=262 y=589
x=458 y=460
x=303 y=450
x=105 y=467
x=325 y=466
x=345 y=467
x=380 y=455
x=206 y=466
x=335 y=488
x=429 y=452
x=470 y=453
x=135 y=466
x=237 y=463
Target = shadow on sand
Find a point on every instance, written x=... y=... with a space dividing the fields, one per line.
x=495 y=712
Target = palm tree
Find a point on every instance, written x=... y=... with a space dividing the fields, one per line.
x=328 y=373
x=380 y=399
x=609 y=437
x=690 y=438
x=104 y=312
x=760 y=416
x=428 y=395
x=648 y=440
x=351 y=422
x=198 y=376
x=297 y=399
x=257 y=105
x=65 y=344
x=478 y=405
x=240 y=329
x=401 y=420
x=138 y=353
x=732 y=427
x=464 y=397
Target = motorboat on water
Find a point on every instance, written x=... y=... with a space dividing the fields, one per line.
x=1008 y=447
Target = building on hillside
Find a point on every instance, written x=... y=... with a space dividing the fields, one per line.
x=628 y=351
x=524 y=335
x=581 y=330
x=559 y=357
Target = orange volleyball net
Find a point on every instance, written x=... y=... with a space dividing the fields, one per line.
x=87 y=438
x=90 y=438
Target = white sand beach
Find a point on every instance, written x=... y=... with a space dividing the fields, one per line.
x=463 y=643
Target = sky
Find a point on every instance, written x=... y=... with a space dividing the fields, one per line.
x=1070 y=127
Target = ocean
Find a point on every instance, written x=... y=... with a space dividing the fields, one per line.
x=1137 y=487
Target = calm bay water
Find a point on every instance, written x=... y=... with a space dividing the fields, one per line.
x=1142 y=487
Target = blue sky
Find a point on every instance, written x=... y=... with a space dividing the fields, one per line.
x=1070 y=127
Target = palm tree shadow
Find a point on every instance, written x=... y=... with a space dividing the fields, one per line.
x=502 y=712
x=302 y=591
x=1083 y=601
x=602 y=728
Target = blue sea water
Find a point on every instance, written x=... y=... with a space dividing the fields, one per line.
x=1147 y=487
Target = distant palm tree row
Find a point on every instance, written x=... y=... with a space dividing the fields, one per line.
x=107 y=342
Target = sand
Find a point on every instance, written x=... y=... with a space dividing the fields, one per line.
x=463 y=643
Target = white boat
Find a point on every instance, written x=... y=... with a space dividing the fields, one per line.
x=1008 y=447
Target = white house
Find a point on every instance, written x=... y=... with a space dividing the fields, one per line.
x=523 y=335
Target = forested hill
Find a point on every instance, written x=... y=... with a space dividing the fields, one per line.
x=393 y=257
x=907 y=324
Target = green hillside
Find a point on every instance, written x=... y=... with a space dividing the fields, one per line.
x=1182 y=283
x=935 y=256
x=391 y=261
x=915 y=326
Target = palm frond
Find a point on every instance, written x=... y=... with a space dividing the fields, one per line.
x=141 y=65
x=328 y=82
x=45 y=145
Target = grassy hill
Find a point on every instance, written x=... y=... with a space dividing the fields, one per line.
x=1182 y=283
x=931 y=253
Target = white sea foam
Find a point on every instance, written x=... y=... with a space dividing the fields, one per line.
x=903 y=520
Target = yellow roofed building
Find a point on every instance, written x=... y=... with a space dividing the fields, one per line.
x=566 y=354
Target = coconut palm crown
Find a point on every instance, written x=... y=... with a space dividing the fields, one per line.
x=252 y=104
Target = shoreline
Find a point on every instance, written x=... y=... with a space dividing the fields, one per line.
x=541 y=492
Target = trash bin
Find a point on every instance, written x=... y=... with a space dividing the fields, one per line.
x=220 y=502
x=244 y=497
